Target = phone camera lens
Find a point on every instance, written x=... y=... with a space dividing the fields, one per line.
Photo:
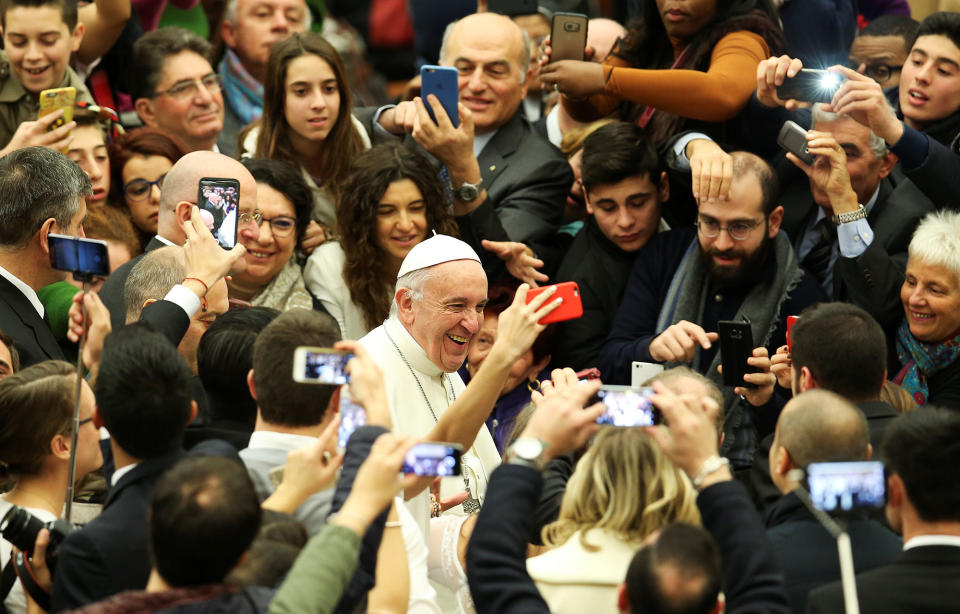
x=571 y=27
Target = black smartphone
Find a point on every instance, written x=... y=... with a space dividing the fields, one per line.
x=435 y=458
x=77 y=255
x=810 y=85
x=441 y=81
x=624 y=406
x=568 y=36
x=846 y=488
x=512 y=8
x=793 y=138
x=317 y=365
x=219 y=202
x=736 y=346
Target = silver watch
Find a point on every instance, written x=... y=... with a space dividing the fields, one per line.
x=467 y=192
x=850 y=216
x=527 y=451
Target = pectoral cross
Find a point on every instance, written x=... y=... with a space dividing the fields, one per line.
x=472 y=504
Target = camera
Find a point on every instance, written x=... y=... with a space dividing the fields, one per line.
x=571 y=26
x=20 y=528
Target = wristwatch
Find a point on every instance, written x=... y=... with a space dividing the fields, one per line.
x=527 y=451
x=850 y=216
x=467 y=192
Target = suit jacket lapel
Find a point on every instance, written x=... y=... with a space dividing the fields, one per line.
x=493 y=158
x=29 y=317
x=145 y=469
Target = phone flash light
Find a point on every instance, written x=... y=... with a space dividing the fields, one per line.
x=830 y=81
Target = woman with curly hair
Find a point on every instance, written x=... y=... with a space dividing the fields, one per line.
x=622 y=490
x=390 y=202
x=687 y=64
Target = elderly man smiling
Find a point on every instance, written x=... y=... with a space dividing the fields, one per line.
x=438 y=307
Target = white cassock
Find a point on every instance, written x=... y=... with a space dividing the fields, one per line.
x=402 y=359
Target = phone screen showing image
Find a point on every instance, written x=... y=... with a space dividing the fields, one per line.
x=627 y=407
x=219 y=202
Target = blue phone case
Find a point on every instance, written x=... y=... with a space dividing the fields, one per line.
x=441 y=81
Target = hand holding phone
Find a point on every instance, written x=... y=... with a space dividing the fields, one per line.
x=571 y=307
x=810 y=85
x=55 y=99
x=736 y=347
x=80 y=256
x=318 y=365
x=219 y=202
x=624 y=406
x=442 y=82
x=433 y=458
x=793 y=138
x=568 y=36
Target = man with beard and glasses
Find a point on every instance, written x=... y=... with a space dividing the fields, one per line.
x=735 y=265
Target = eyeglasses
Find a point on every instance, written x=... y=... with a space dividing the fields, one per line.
x=878 y=71
x=281 y=226
x=139 y=189
x=85 y=420
x=247 y=217
x=188 y=89
x=738 y=231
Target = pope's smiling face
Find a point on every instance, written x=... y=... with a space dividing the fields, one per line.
x=449 y=312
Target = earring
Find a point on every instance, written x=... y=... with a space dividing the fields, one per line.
x=533 y=385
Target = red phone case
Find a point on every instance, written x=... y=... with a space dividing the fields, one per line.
x=571 y=307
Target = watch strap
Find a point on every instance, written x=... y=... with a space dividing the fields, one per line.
x=850 y=216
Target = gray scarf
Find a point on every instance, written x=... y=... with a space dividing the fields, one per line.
x=685 y=301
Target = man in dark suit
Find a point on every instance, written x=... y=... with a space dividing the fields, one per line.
x=144 y=401
x=508 y=182
x=814 y=427
x=41 y=192
x=923 y=504
x=852 y=225
x=178 y=196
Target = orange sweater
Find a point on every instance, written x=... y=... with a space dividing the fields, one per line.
x=713 y=96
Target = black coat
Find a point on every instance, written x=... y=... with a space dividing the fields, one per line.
x=807 y=553
x=30 y=333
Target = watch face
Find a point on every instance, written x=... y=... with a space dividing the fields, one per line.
x=467 y=192
x=528 y=448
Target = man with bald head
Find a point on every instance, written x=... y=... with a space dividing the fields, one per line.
x=177 y=196
x=507 y=182
x=819 y=426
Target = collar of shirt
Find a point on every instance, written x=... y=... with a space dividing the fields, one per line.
x=28 y=292
x=480 y=141
x=933 y=540
x=166 y=241
x=119 y=473
x=280 y=441
x=410 y=349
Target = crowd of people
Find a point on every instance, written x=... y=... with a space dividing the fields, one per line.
x=180 y=458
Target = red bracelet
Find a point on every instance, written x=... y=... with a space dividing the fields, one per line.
x=199 y=281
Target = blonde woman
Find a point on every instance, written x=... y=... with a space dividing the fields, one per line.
x=622 y=490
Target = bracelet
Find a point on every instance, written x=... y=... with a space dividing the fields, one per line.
x=711 y=465
x=199 y=281
x=392 y=524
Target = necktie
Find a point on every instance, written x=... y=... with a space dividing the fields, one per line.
x=817 y=262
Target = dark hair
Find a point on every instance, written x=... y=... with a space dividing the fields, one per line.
x=923 y=448
x=892 y=25
x=151 y=51
x=745 y=162
x=143 y=391
x=943 y=23
x=844 y=348
x=68 y=9
x=281 y=400
x=204 y=514
x=286 y=179
x=499 y=298
x=37 y=184
x=648 y=46
x=689 y=550
x=615 y=152
x=225 y=357
x=372 y=173
x=343 y=142
x=36 y=404
x=272 y=553
x=110 y=224
x=144 y=141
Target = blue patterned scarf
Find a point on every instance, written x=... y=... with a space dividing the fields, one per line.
x=243 y=91
x=921 y=360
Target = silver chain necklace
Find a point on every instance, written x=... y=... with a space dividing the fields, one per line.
x=472 y=504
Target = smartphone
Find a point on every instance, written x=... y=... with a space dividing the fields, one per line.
x=314 y=365
x=568 y=36
x=845 y=488
x=77 y=255
x=791 y=320
x=793 y=138
x=570 y=309
x=624 y=406
x=351 y=417
x=736 y=346
x=433 y=458
x=810 y=85
x=55 y=99
x=512 y=8
x=641 y=372
x=441 y=81
x=219 y=202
